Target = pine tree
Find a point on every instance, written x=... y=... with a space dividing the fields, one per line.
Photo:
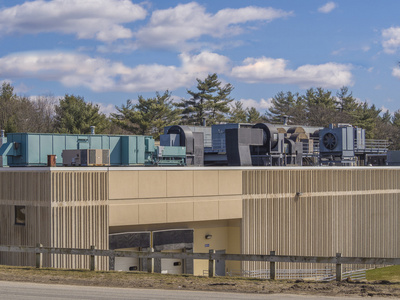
x=253 y=116
x=209 y=102
x=147 y=117
x=237 y=113
x=320 y=107
x=367 y=118
x=289 y=105
x=74 y=115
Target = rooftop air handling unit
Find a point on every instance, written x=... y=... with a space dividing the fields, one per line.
x=336 y=144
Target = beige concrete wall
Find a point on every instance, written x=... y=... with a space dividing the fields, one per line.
x=225 y=236
x=354 y=211
x=79 y=216
x=171 y=196
x=66 y=209
x=32 y=190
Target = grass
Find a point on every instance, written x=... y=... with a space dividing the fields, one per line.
x=391 y=274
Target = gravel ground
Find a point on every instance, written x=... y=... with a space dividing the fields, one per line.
x=188 y=282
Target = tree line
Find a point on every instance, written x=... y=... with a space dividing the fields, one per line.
x=210 y=102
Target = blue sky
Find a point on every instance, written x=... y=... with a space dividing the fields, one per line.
x=109 y=51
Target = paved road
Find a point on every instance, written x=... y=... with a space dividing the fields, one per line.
x=32 y=291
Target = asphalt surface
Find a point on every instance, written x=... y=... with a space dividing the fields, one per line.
x=31 y=291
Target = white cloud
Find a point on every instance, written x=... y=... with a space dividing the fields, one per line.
x=384 y=110
x=269 y=70
x=98 y=74
x=259 y=105
x=89 y=19
x=106 y=109
x=391 y=42
x=327 y=8
x=365 y=48
x=188 y=22
x=396 y=72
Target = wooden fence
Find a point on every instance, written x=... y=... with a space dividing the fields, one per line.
x=211 y=257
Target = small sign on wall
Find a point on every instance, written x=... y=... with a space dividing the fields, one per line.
x=207 y=245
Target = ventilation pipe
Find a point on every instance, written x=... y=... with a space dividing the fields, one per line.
x=92 y=129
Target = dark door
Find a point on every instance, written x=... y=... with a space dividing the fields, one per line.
x=220 y=265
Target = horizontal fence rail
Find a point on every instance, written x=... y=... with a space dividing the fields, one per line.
x=211 y=257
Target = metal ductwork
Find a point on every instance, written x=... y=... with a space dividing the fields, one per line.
x=238 y=142
x=186 y=138
x=270 y=134
x=193 y=141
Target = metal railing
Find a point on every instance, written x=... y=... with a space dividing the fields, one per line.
x=211 y=257
x=311 y=274
x=372 y=145
x=355 y=275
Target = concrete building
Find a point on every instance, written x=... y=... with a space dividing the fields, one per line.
x=250 y=210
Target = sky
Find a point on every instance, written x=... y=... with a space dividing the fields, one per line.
x=109 y=51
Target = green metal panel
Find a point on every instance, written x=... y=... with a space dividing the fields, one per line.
x=71 y=142
x=150 y=145
x=83 y=142
x=177 y=151
x=35 y=147
x=115 y=150
x=140 y=149
x=132 y=150
x=105 y=142
x=33 y=152
x=59 y=144
x=129 y=150
x=45 y=148
x=20 y=156
x=95 y=142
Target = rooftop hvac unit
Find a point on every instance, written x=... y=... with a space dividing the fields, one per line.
x=86 y=157
x=337 y=141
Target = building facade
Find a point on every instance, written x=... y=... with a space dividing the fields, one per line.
x=316 y=211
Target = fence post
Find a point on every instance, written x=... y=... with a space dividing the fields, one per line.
x=338 y=268
x=111 y=262
x=272 y=271
x=150 y=261
x=211 y=264
x=39 y=257
x=92 y=261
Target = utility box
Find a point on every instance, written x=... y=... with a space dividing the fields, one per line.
x=393 y=158
x=86 y=157
x=170 y=155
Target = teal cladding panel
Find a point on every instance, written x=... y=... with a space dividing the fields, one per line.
x=35 y=147
x=150 y=144
x=95 y=142
x=71 y=142
x=19 y=160
x=140 y=149
x=33 y=152
x=115 y=150
x=59 y=144
x=128 y=150
x=83 y=142
x=45 y=148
